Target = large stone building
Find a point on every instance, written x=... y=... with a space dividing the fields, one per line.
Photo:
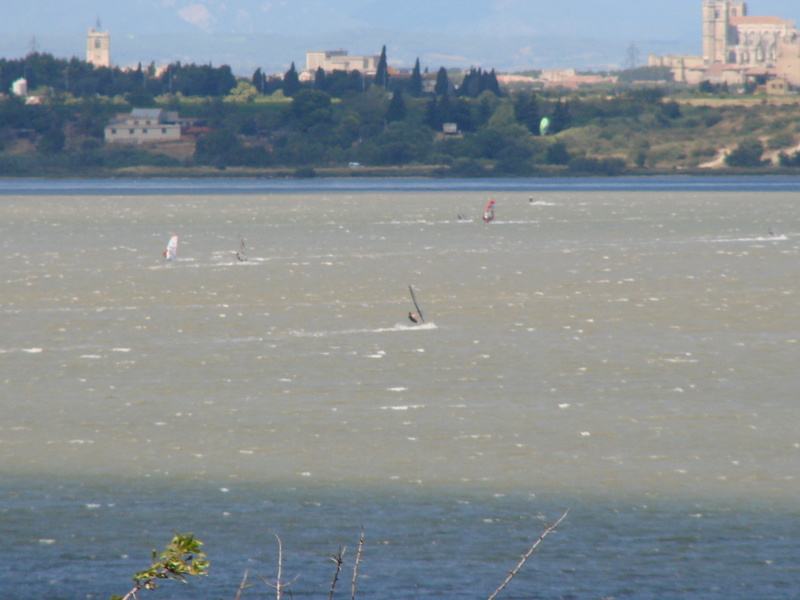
x=339 y=60
x=737 y=46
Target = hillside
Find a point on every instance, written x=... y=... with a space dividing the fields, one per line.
x=375 y=133
x=699 y=138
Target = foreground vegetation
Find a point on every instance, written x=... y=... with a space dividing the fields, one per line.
x=184 y=558
x=341 y=123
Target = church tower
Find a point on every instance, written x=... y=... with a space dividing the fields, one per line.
x=717 y=16
x=98 y=48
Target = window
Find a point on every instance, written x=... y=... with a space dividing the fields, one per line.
x=131 y=131
x=97 y=43
x=164 y=130
x=144 y=130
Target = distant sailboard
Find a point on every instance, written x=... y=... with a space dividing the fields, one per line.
x=488 y=213
x=171 y=250
x=419 y=312
x=241 y=254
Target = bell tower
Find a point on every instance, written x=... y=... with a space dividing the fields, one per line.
x=717 y=16
x=98 y=47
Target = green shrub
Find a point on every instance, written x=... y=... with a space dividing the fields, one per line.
x=747 y=154
x=783 y=139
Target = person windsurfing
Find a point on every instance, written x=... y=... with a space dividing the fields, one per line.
x=241 y=255
x=416 y=317
x=171 y=250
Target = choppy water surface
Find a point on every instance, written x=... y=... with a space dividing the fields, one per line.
x=628 y=354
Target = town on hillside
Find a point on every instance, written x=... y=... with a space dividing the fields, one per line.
x=340 y=112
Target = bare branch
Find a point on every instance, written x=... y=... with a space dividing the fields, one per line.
x=242 y=586
x=278 y=583
x=525 y=556
x=338 y=559
x=355 y=566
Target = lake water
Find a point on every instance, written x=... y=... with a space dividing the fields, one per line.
x=624 y=349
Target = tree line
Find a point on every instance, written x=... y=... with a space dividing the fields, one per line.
x=81 y=79
x=467 y=125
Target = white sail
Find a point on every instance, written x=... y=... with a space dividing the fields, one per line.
x=172 y=248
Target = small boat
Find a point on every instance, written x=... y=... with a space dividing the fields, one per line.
x=488 y=213
x=171 y=250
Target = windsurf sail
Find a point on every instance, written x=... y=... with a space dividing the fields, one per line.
x=241 y=254
x=172 y=248
x=488 y=213
x=414 y=299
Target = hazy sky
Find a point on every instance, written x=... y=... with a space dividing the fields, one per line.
x=243 y=33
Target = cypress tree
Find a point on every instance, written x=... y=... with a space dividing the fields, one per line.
x=471 y=86
x=291 y=81
x=319 y=79
x=382 y=72
x=258 y=81
x=415 y=85
x=491 y=83
x=442 y=87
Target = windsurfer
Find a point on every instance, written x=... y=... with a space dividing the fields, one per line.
x=172 y=248
x=413 y=317
x=488 y=213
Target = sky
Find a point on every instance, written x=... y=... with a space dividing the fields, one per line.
x=507 y=35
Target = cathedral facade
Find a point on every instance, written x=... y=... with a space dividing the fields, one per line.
x=731 y=36
x=737 y=45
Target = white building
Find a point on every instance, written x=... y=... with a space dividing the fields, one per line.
x=339 y=60
x=144 y=126
x=20 y=87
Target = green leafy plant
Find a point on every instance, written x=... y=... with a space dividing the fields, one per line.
x=182 y=558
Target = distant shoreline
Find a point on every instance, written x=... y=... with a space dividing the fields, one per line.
x=366 y=172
